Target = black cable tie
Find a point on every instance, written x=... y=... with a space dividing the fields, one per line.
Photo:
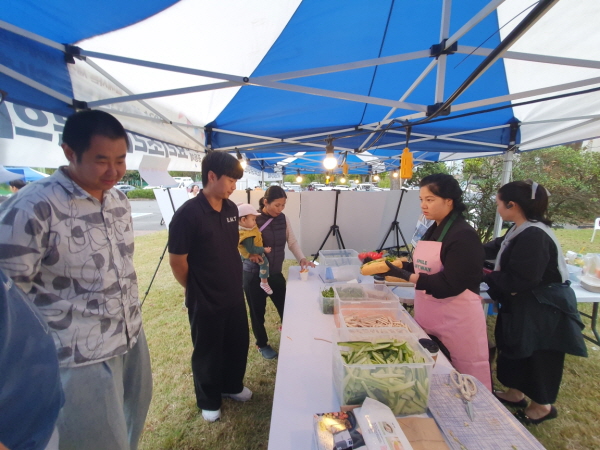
x=438 y=49
x=79 y=104
x=432 y=109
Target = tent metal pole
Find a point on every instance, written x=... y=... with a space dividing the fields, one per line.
x=440 y=79
x=506 y=174
x=485 y=11
x=35 y=85
x=146 y=105
x=531 y=57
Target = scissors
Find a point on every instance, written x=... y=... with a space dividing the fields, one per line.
x=468 y=389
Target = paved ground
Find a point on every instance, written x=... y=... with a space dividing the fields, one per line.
x=146 y=216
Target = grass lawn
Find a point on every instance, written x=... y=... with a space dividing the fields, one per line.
x=174 y=423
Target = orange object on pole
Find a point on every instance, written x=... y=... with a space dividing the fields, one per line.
x=406 y=164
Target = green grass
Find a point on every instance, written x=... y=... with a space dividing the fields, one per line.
x=174 y=423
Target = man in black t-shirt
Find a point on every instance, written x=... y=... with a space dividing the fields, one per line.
x=203 y=240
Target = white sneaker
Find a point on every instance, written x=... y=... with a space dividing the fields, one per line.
x=211 y=416
x=243 y=396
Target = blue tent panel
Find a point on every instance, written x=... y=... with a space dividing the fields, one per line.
x=323 y=34
x=28 y=174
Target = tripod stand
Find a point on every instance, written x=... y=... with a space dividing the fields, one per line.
x=164 y=251
x=333 y=229
x=395 y=226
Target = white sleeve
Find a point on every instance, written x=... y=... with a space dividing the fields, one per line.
x=292 y=242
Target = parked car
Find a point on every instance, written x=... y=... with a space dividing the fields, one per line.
x=365 y=187
x=125 y=188
x=342 y=187
x=292 y=188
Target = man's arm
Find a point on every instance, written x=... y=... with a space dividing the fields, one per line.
x=179 y=267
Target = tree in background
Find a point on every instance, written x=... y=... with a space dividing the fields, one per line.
x=571 y=174
x=480 y=181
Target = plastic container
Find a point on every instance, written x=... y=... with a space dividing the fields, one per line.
x=363 y=295
x=390 y=310
x=339 y=265
x=338 y=258
x=574 y=272
x=402 y=387
x=326 y=304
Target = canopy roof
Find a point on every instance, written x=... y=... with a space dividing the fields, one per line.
x=275 y=79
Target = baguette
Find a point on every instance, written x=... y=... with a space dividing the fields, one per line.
x=379 y=266
x=392 y=279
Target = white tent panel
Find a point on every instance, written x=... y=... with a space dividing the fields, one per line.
x=226 y=36
x=547 y=39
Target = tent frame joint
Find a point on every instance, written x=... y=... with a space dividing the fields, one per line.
x=432 y=109
x=437 y=50
x=79 y=105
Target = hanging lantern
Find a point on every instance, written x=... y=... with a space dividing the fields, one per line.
x=406 y=164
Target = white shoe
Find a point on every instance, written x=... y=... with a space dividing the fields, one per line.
x=211 y=416
x=243 y=396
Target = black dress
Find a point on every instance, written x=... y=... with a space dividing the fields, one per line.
x=529 y=260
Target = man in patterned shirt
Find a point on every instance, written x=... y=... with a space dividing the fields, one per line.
x=67 y=241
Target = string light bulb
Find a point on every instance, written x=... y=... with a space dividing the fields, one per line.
x=329 y=162
x=376 y=177
x=241 y=159
x=299 y=177
x=342 y=180
x=395 y=174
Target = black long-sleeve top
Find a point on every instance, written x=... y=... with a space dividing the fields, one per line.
x=462 y=256
x=529 y=260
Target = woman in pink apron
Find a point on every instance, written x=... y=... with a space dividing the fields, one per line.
x=447 y=269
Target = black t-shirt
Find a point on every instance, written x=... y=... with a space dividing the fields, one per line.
x=210 y=239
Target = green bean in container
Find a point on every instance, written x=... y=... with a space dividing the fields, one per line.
x=405 y=389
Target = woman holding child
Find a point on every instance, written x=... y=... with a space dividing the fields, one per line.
x=276 y=232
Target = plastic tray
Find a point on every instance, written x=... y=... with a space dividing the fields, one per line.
x=393 y=311
x=403 y=387
x=337 y=258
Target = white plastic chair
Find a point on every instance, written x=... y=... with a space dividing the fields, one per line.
x=596 y=227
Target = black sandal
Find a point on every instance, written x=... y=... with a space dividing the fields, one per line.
x=520 y=404
x=526 y=420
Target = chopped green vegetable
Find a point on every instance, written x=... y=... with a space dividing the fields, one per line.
x=350 y=292
x=327 y=296
x=405 y=389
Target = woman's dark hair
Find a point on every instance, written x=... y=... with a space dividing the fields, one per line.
x=18 y=184
x=271 y=194
x=83 y=125
x=221 y=163
x=445 y=186
x=521 y=193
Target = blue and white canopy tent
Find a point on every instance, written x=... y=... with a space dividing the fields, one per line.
x=278 y=79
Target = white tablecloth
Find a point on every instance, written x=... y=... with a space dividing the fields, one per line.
x=304 y=382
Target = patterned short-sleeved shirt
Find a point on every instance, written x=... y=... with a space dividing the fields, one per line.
x=73 y=257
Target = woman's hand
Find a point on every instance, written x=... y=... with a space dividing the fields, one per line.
x=400 y=273
x=267 y=249
x=304 y=263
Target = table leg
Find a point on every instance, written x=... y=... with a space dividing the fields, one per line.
x=594 y=318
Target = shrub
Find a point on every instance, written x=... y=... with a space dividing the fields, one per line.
x=141 y=193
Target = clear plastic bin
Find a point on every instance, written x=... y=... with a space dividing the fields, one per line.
x=326 y=304
x=337 y=258
x=372 y=310
x=402 y=387
x=363 y=295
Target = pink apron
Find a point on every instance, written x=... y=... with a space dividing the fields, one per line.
x=458 y=321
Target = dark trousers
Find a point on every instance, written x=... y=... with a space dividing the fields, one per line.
x=257 y=302
x=537 y=376
x=221 y=341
